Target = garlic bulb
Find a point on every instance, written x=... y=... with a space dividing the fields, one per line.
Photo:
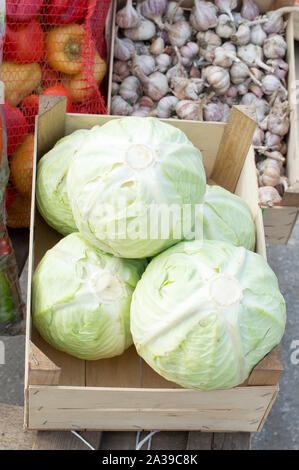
x=272 y=141
x=242 y=88
x=184 y=88
x=178 y=70
x=239 y=72
x=212 y=112
x=277 y=124
x=225 y=27
x=120 y=107
x=190 y=50
x=226 y=6
x=262 y=107
x=155 y=86
x=163 y=62
x=218 y=78
x=127 y=17
x=275 y=20
x=141 y=111
x=166 y=107
x=178 y=33
x=203 y=15
x=174 y=13
x=253 y=56
x=157 y=47
x=146 y=63
x=130 y=89
x=270 y=83
x=258 y=136
x=187 y=109
x=225 y=55
x=232 y=92
x=275 y=47
x=114 y=88
x=154 y=9
x=281 y=68
x=121 y=69
x=257 y=35
x=242 y=36
x=146 y=102
x=144 y=31
x=249 y=10
x=269 y=196
x=257 y=90
x=123 y=48
x=208 y=41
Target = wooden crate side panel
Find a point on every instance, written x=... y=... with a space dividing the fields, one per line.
x=292 y=197
x=238 y=409
x=278 y=223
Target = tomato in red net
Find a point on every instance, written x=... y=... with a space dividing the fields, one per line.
x=16 y=127
x=29 y=106
x=22 y=11
x=61 y=12
x=59 y=90
x=24 y=43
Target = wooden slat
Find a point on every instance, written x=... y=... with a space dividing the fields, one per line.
x=113 y=372
x=291 y=196
x=198 y=440
x=278 y=223
x=65 y=440
x=269 y=370
x=50 y=122
x=238 y=409
x=233 y=149
x=118 y=440
x=168 y=440
x=42 y=371
x=12 y=434
x=231 y=441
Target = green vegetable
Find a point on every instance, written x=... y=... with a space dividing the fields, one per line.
x=81 y=299
x=205 y=313
x=125 y=168
x=51 y=194
x=7 y=311
x=226 y=217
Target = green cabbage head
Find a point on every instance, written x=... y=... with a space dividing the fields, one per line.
x=51 y=194
x=205 y=313
x=81 y=299
x=225 y=216
x=123 y=171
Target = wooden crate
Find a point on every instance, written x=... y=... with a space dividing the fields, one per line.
x=278 y=232
x=124 y=393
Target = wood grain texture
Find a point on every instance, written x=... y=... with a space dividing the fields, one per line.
x=118 y=440
x=233 y=148
x=12 y=434
x=279 y=222
x=269 y=370
x=65 y=440
x=231 y=441
x=198 y=440
x=237 y=409
x=42 y=371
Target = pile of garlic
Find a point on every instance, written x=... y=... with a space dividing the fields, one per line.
x=171 y=62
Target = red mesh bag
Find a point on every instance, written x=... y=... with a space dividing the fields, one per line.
x=52 y=47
